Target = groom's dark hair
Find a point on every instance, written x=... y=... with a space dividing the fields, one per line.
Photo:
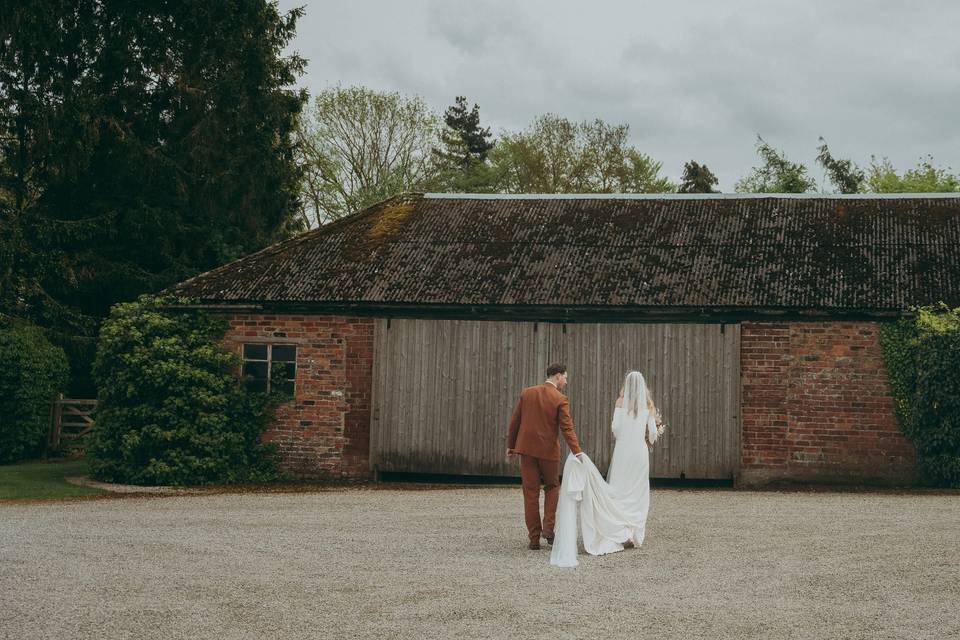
x=554 y=369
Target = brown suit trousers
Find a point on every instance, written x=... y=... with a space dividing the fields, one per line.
x=532 y=472
x=541 y=415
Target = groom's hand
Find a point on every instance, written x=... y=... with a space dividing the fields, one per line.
x=511 y=453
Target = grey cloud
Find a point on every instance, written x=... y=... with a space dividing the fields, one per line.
x=476 y=28
x=693 y=80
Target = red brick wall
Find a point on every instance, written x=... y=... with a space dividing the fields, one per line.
x=324 y=432
x=817 y=405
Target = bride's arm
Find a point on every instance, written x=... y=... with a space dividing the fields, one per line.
x=651 y=428
x=615 y=425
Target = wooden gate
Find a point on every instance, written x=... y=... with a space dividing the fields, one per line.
x=71 y=420
x=443 y=391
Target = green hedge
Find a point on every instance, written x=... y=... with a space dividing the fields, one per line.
x=171 y=409
x=922 y=354
x=32 y=371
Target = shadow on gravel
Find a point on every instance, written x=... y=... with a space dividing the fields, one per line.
x=459 y=480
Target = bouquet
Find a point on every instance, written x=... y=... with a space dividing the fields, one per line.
x=661 y=425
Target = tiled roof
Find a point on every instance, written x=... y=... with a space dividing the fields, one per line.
x=773 y=252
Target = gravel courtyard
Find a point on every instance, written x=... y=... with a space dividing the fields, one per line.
x=452 y=563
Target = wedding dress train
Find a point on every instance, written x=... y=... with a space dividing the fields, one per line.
x=613 y=512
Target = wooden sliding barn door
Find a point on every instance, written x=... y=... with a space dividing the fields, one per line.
x=443 y=391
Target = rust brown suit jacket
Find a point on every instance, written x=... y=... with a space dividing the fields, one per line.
x=541 y=414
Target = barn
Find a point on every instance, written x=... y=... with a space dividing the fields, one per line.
x=405 y=331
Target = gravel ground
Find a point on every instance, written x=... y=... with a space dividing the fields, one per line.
x=452 y=563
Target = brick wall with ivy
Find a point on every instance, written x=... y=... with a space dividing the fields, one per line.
x=324 y=431
x=817 y=405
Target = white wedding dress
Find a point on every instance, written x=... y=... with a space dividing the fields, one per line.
x=611 y=512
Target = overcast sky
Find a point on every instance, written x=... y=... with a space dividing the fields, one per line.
x=694 y=79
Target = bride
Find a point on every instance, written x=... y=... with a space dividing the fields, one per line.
x=612 y=512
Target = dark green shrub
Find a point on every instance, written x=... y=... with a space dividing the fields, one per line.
x=922 y=354
x=32 y=371
x=171 y=409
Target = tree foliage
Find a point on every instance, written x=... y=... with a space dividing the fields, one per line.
x=171 y=409
x=358 y=146
x=556 y=155
x=844 y=174
x=461 y=161
x=140 y=143
x=882 y=177
x=32 y=371
x=776 y=174
x=464 y=141
x=697 y=178
x=922 y=356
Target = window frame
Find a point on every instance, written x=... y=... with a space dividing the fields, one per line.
x=269 y=362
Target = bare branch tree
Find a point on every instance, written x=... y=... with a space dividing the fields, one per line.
x=358 y=146
x=555 y=155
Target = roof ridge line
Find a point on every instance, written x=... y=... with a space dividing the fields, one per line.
x=691 y=196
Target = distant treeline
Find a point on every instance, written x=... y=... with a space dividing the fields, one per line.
x=357 y=146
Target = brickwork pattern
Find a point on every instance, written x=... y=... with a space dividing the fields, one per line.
x=816 y=404
x=324 y=432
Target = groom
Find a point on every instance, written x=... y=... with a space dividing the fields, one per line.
x=541 y=413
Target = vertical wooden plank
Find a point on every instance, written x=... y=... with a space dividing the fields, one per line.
x=702 y=438
x=57 y=419
x=470 y=378
x=403 y=438
x=460 y=422
x=435 y=410
x=448 y=431
x=416 y=400
x=486 y=353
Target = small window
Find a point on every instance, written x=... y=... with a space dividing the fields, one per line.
x=255 y=352
x=284 y=353
x=270 y=367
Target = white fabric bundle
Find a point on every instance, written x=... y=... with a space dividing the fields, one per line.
x=610 y=513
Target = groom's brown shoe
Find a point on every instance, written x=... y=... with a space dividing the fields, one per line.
x=534 y=546
x=548 y=536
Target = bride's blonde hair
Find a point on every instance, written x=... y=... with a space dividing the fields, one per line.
x=636 y=393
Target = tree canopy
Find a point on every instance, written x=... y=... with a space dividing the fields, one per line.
x=140 y=143
x=776 y=174
x=465 y=142
x=697 y=178
x=358 y=146
x=556 y=155
x=926 y=177
x=844 y=174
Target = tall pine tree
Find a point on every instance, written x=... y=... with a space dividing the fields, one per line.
x=141 y=143
x=465 y=142
x=697 y=178
x=461 y=161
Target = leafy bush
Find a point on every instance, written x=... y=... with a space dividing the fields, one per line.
x=922 y=354
x=171 y=409
x=32 y=371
